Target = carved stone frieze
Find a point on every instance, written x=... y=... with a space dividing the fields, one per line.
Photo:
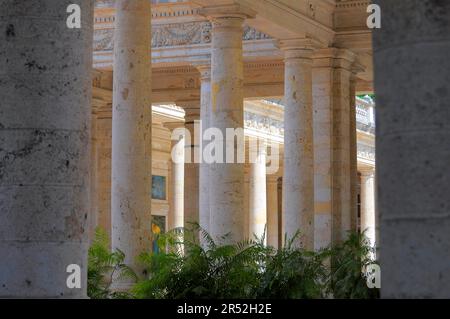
x=103 y=40
x=366 y=151
x=253 y=34
x=104 y=3
x=176 y=34
x=264 y=124
x=180 y=34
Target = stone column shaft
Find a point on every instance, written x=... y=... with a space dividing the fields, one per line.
x=368 y=222
x=131 y=129
x=257 y=194
x=332 y=145
x=298 y=180
x=412 y=90
x=342 y=173
x=45 y=91
x=323 y=156
x=227 y=77
x=353 y=156
x=176 y=217
x=272 y=211
x=191 y=166
x=93 y=219
x=205 y=110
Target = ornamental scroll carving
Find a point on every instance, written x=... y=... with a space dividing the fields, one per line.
x=180 y=34
x=103 y=40
x=176 y=34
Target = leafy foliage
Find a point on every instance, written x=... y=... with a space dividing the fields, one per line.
x=209 y=271
x=293 y=273
x=105 y=268
x=248 y=270
x=190 y=264
x=347 y=261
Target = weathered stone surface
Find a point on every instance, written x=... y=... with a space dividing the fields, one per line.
x=227 y=77
x=333 y=150
x=45 y=95
x=272 y=211
x=298 y=179
x=205 y=111
x=131 y=130
x=368 y=219
x=191 y=167
x=257 y=193
x=176 y=216
x=412 y=80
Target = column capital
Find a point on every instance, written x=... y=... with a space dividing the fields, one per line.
x=334 y=57
x=367 y=171
x=173 y=125
x=191 y=109
x=227 y=12
x=298 y=48
x=188 y=104
x=205 y=71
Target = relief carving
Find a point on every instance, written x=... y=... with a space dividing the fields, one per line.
x=103 y=40
x=177 y=34
x=264 y=124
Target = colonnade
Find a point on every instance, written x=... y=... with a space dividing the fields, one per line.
x=316 y=195
x=45 y=136
x=319 y=149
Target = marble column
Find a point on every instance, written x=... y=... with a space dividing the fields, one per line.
x=272 y=210
x=205 y=110
x=176 y=215
x=257 y=193
x=353 y=155
x=281 y=230
x=298 y=180
x=332 y=148
x=131 y=130
x=93 y=220
x=45 y=90
x=192 y=162
x=323 y=149
x=246 y=226
x=227 y=112
x=368 y=222
x=412 y=90
x=342 y=147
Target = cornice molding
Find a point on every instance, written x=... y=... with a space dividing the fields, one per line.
x=187 y=69
x=264 y=65
x=350 y=4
